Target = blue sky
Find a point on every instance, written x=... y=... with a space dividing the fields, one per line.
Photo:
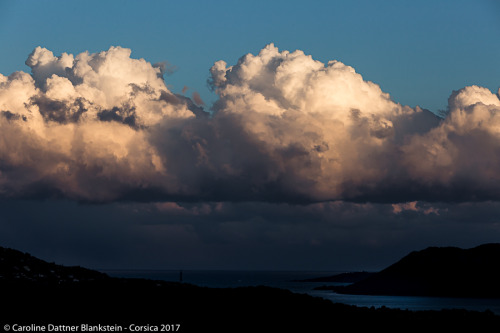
x=419 y=52
x=398 y=182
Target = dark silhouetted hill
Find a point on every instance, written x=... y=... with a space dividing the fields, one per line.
x=446 y=271
x=83 y=296
x=18 y=266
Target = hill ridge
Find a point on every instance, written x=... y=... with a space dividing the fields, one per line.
x=437 y=271
x=21 y=266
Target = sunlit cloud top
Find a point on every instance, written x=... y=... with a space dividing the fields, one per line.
x=285 y=127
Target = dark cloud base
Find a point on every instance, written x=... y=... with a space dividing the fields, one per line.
x=325 y=236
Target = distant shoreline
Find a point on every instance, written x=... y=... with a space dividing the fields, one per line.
x=37 y=292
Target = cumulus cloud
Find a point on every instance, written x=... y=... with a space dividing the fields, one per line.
x=286 y=127
x=459 y=159
x=324 y=132
x=74 y=127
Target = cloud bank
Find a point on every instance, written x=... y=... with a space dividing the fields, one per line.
x=285 y=128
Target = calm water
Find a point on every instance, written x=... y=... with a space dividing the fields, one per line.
x=286 y=280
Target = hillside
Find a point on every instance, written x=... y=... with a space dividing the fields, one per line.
x=18 y=266
x=41 y=293
x=446 y=271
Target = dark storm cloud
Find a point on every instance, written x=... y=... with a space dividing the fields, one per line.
x=245 y=235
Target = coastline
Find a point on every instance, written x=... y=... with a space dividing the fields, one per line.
x=41 y=293
x=307 y=282
x=142 y=302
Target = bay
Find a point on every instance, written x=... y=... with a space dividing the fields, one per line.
x=290 y=280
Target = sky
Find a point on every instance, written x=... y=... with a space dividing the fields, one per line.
x=263 y=135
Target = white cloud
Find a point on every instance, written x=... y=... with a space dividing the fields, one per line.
x=459 y=158
x=72 y=127
x=327 y=133
x=286 y=127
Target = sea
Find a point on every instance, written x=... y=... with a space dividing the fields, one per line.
x=291 y=280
